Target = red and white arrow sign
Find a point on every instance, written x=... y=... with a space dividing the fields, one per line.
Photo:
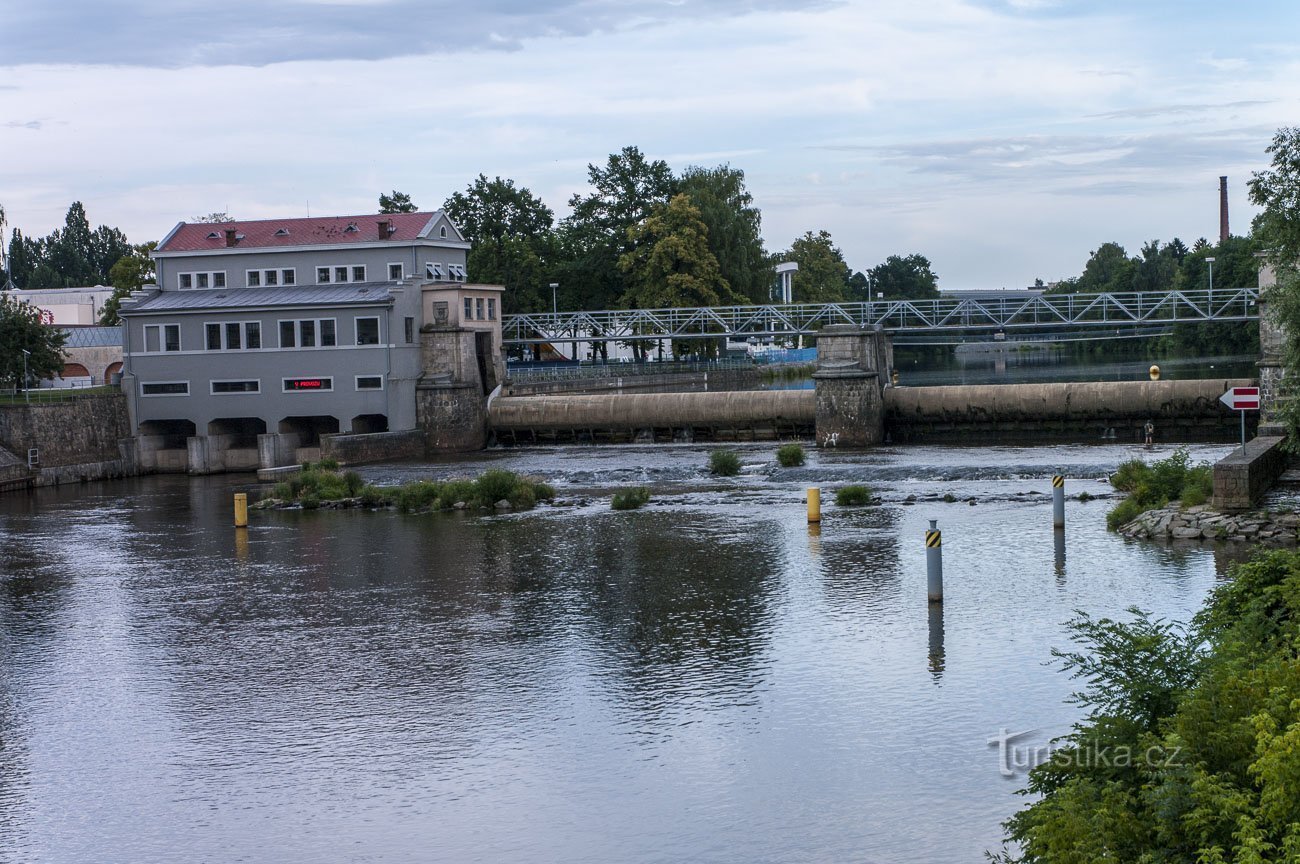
x=1241 y=398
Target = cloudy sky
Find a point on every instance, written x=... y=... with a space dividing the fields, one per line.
x=1003 y=139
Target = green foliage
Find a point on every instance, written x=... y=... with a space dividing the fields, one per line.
x=904 y=278
x=128 y=274
x=323 y=482
x=543 y=491
x=397 y=202
x=1207 y=719
x=328 y=465
x=724 y=463
x=352 y=480
x=1155 y=485
x=70 y=257
x=416 y=496
x=854 y=495
x=734 y=228
x=21 y=330
x=283 y=491
x=460 y=491
x=630 y=499
x=791 y=455
x=822 y=276
x=374 y=496
x=669 y=263
x=494 y=485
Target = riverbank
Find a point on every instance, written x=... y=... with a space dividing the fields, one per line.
x=1271 y=528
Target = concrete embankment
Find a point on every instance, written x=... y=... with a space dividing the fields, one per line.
x=728 y=415
x=82 y=438
x=716 y=379
x=1180 y=410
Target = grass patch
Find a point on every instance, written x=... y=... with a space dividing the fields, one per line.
x=853 y=496
x=724 y=463
x=791 y=455
x=1155 y=485
x=630 y=499
x=324 y=482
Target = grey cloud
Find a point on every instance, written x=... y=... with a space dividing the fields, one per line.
x=178 y=33
x=1073 y=162
x=1172 y=110
x=23 y=124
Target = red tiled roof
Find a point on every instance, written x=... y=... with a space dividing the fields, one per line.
x=263 y=233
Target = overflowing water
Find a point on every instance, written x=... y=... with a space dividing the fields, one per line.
x=705 y=679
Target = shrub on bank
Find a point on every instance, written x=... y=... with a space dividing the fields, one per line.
x=790 y=455
x=853 y=496
x=318 y=483
x=630 y=499
x=724 y=463
x=1155 y=485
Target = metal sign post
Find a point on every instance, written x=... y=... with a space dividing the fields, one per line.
x=1241 y=400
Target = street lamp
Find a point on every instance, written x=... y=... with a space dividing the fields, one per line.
x=1210 y=261
x=555 y=310
x=27 y=394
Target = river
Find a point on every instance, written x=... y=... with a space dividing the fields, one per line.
x=705 y=679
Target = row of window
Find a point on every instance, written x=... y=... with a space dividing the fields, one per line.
x=475 y=311
x=287 y=385
x=247 y=335
x=331 y=275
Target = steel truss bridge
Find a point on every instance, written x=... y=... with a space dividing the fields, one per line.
x=947 y=319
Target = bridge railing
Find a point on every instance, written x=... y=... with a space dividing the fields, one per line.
x=1042 y=311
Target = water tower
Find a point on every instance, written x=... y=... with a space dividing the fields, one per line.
x=785 y=273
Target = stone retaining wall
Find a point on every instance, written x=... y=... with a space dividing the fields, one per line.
x=1242 y=477
x=79 y=430
x=1206 y=523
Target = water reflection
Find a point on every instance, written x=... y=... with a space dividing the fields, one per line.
x=1058 y=555
x=934 y=617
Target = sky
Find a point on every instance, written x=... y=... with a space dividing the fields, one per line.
x=1002 y=139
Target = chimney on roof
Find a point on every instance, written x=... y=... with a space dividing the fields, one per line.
x=386 y=229
x=231 y=237
x=1223 y=209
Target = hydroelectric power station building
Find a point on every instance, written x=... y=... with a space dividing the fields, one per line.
x=262 y=338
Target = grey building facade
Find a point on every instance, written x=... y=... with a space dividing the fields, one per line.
x=261 y=337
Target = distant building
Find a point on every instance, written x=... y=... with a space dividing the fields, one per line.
x=292 y=328
x=78 y=307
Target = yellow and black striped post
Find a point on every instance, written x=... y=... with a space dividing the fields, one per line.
x=934 y=562
x=1058 y=502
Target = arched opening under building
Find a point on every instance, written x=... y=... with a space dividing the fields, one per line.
x=113 y=374
x=232 y=442
x=307 y=432
x=366 y=424
x=164 y=444
x=74 y=375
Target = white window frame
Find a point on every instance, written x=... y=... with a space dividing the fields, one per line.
x=297 y=334
x=356 y=331
x=162 y=338
x=263 y=273
x=244 y=324
x=194 y=274
x=356 y=384
x=212 y=386
x=144 y=395
x=285 y=389
x=352 y=271
x=401 y=271
x=468 y=309
x=329 y=276
x=492 y=308
x=433 y=270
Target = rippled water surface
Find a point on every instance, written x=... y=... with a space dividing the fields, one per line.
x=706 y=679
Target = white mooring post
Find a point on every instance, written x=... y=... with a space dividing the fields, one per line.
x=1058 y=502
x=934 y=562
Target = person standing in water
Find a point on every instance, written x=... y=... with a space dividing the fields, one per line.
x=1149 y=432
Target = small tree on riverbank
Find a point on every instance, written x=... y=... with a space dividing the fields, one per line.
x=21 y=331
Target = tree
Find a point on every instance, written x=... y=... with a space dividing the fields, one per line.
x=1109 y=269
x=624 y=193
x=510 y=230
x=128 y=274
x=21 y=330
x=70 y=257
x=397 y=202
x=734 y=228
x=670 y=264
x=908 y=278
x=218 y=217
x=822 y=276
x=1156 y=269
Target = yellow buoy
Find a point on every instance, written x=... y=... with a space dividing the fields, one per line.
x=241 y=509
x=1155 y=372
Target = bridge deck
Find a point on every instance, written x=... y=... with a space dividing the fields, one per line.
x=1013 y=313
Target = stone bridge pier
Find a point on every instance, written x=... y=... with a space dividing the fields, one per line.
x=853 y=366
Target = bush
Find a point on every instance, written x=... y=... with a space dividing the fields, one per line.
x=543 y=491
x=373 y=496
x=283 y=491
x=493 y=485
x=790 y=455
x=630 y=499
x=724 y=463
x=420 y=495
x=460 y=491
x=309 y=502
x=354 y=483
x=853 y=496
x=328 y=465
x=1155 y=485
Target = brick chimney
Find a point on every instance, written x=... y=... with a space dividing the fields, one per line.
x=231 y=237
x=385 y=229
x=1223 y=209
